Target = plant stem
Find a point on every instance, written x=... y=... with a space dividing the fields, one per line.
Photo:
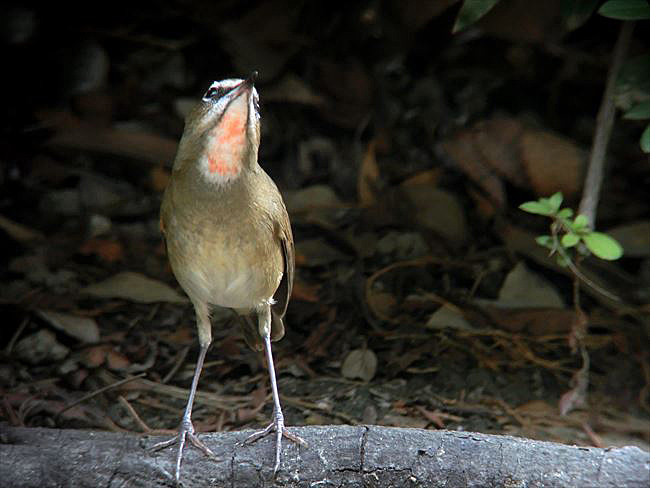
x=604 y=123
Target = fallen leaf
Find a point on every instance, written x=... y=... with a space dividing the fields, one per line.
x=534 y=321
x=140 y=144
x=381 y=303
x=19 y=232
x=523 y=288
x=107 y=250
x=403 y=245
x=552 y=163
x=360 y=363
x=448 y=317
x=116 y=360
x=40 y=347
x=497 y=140
x=462 y=151
x=94 y=357
x=437 y=210
x=83 y=328
x=135 y=287
x=429 y=177
x=317 y=252
x=311 y=197
x=99 y=225
x=368 y=179
x=505 y=147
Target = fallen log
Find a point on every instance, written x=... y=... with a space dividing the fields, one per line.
x=337 y=456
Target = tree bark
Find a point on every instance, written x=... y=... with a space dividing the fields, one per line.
x=337 y=456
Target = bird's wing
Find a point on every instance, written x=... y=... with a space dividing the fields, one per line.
x=283 y=293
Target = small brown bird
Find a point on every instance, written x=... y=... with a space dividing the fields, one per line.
x=228 y=236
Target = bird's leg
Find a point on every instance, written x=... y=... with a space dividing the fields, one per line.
x=278 y=418
x=186 y=429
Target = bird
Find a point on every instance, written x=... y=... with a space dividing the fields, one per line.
x=228 y=238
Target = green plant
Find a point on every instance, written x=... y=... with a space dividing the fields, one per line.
x=571 y=232
x=471 y=11
x=633 y=83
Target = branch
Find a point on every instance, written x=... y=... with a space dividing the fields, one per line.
x=337 y=456
x=604 y=123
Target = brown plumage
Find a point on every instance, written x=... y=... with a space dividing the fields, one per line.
x=228 y=235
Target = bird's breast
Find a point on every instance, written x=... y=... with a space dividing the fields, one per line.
x=234 y=266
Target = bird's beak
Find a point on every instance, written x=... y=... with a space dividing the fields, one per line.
x=246 y=85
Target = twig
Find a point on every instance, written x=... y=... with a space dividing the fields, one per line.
x=225 y=402
x=97 y=392
x=14 y=338
x=14 y=420
x=595 y=439
x=605 y=121
x=148 y=363
x=145 y=428
x=180 y=359
x=578 y=274
x=424 y=261
x=299 y=403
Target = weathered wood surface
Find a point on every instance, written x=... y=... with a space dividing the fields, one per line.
x=337 y=456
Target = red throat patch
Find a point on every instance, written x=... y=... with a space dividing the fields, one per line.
x=227 y=142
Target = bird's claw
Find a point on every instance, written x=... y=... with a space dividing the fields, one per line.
x=185 y=433
x=280 y=431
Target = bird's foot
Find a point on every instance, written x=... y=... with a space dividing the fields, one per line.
x=185 y=433
x=280 y=430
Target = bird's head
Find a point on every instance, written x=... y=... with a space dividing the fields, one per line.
x=223 y=130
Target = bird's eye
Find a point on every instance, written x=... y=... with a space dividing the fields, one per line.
x=214 y=93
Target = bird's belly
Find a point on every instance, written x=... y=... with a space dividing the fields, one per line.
x=229 y=273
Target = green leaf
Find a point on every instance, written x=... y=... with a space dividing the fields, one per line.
x=546 y=241
x=565 y=213
x=633 y=82
x=580 y=223
x=645 y=140
x=562 y=261
x=471 y=11
x=577 y=12
x=570 y=239
x=539 y=207
x=555 y=201
x=625 y=9
x=640 y=111
x=603 y=246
